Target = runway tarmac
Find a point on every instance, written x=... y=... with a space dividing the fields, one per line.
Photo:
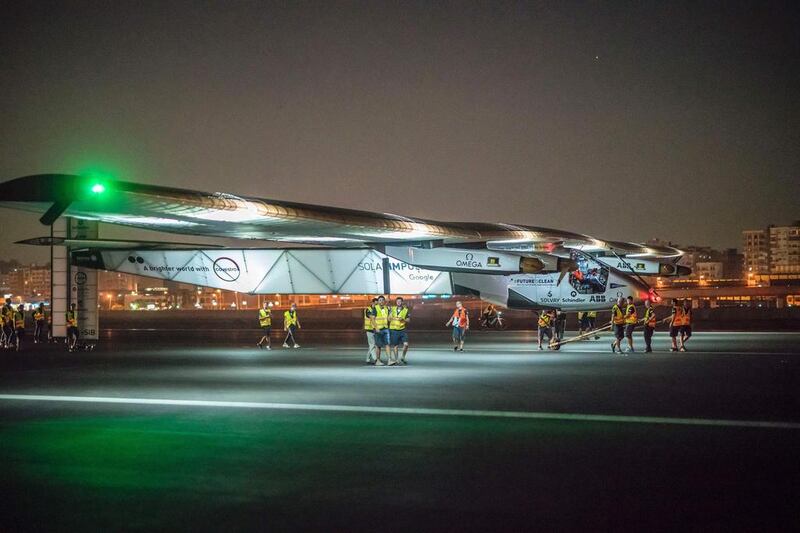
x=157 y=430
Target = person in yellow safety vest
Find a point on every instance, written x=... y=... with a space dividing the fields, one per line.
x=265 y=323
x=39 y=321
x=618 y=324
x=460 y=322
x=591 y=316
x=5 y=338
x=649 y=325
x=72 y=327
x=290 y=325
x=676 y=323
x=686 y=329
x=631 y=319
x=19 y=325
x=583 y=323
x=545 y=328
x=369 y=330
x=382 y=337
x=398 y=318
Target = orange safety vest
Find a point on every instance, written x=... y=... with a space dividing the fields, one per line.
x=617 y=315
x=678 y=316
x=687 y=316
x=460 y=318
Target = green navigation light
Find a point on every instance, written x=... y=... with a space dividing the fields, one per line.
x=98 y=188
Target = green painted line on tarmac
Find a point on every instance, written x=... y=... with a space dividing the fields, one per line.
x=415 y=411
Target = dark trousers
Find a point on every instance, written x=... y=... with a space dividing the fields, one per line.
x=648 y=337
x=38 y=331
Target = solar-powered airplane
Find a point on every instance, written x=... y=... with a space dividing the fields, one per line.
x=310 y=249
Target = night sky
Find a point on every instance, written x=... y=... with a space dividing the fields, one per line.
x=622 y=120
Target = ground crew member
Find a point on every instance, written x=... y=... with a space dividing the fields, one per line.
x=583 y=323
x=72 y=327
x=545 y=328
x=560 y=325
x=4 y=326
x=398 y=318
x=265 y=322
x=591 y=316
x=676 y=323
x=686 y=329
x=382 y=338
x=39 y=321
x=290 y=325
x=19 y=325
x=631 y=319
x=649 y=325
x=460 y=322
x=618 y=325
x=369 y=329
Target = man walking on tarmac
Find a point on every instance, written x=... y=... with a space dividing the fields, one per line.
x=398 y=318
x=72 y=327
x=631 y=319
x=460 y=322
x=19 y=325
x=5 y=323
x=676 y=324
x=649 y=325
x=290 y=325
x=265 y=322
x=544 y=328
x=39 y=321
x=591 y=316
x=369 y=329
x=382 y=338
x=618 y=325
x=686 y=329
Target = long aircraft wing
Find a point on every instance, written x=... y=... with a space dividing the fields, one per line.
x=219 y=214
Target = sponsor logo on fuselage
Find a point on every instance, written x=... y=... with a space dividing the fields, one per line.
x=226 y=269
x=411 y=272
x=469 y=261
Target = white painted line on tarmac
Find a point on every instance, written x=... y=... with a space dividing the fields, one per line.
x=418 y=411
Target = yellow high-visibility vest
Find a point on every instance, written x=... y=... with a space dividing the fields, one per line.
x=264 y=317
x=617 y=316
x=72 y=318
x=381 y=317
x=368 y=319
x=397 y=318
x=592 y=314
x=630 y=314
x=544 y=320
x=289 y=318
x=19 y=320
x=650 y=317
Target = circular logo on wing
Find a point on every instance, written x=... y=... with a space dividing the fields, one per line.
x=226 y=269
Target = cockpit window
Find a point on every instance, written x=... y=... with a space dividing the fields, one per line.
x=590 y=277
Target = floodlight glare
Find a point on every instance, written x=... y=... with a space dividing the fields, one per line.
x=98 y=188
